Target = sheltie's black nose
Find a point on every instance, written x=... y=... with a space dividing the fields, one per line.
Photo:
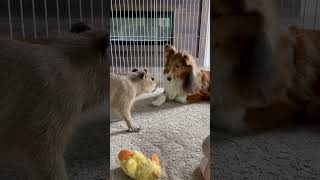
x=169 y=78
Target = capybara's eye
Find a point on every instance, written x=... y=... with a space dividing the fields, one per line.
x=152 y=79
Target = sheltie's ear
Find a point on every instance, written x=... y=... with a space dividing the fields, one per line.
x=188 y=59
x=169 y=50
x=192 y=81
x=257 y=68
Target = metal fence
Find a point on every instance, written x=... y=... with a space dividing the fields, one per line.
x=41 y=18
x=141 y=28
x=300 y=13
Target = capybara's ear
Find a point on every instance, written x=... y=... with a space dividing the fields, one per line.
x=89 y=48
x=79 y=27
x=143 y=75
x=134 y=70
x=102 y=41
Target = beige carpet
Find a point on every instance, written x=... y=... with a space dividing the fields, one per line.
x=174 y=131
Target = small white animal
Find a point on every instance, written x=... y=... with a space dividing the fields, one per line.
x=124 y=88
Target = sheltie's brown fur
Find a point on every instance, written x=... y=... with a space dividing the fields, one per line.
x=265 y=73
x=182 y=65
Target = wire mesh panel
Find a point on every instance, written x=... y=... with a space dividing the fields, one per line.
x=41 y=18
x=141 y=28
x=300 y=13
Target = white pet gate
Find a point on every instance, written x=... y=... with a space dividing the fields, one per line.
x=141 y=28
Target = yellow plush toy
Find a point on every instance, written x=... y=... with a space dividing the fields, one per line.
x=135 y=165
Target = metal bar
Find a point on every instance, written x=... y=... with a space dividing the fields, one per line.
x=189 y=26
x=102 y=14
x=315 y=16
x=91 y=12
x=126 y=13
x=140 y=17
x=144 y=33
x=148 y=32
x=122 y=44
x=199 y=28
x=58 y=15
x=133 y=33
x=183 y=24
x=155 y=59
x=193 y=25
x=80 y=10
x=304 y=13
x=161 y=7
x=179 y=24
x=10 y=19
x=22 y=20
x=69 y=14
x=155 y=52
x=172 y=23
x=34 y=20
x=115 y=31
x=138 y=32
x=46 y=17
x=112 y=33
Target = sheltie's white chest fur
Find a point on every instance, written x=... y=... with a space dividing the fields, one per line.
x=172 y=88
x=172 y=91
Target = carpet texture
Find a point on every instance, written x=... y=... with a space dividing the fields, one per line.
x=282 y=154
x=174 y=131
x=86 y=155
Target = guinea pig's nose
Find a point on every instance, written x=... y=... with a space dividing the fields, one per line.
x=169 y=78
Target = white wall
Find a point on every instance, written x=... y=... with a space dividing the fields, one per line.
x=207 y=51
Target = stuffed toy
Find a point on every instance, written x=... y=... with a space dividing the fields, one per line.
x=135 y=165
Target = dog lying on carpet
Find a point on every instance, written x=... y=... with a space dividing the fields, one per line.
x=265 y=73
x=45 y=85
x=184 y=81
x=124 y=88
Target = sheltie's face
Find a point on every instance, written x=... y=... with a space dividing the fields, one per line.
x=178 y=65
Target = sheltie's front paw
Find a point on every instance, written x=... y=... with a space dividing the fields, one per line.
x=160 y=100
x=181 y=99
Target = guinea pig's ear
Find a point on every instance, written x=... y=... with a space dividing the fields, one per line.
x=79 y=27
x=134 y=70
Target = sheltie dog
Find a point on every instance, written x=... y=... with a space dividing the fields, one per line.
x=184 y=81
x=265 y=73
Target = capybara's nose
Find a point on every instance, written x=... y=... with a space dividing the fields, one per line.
x=169 y=78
